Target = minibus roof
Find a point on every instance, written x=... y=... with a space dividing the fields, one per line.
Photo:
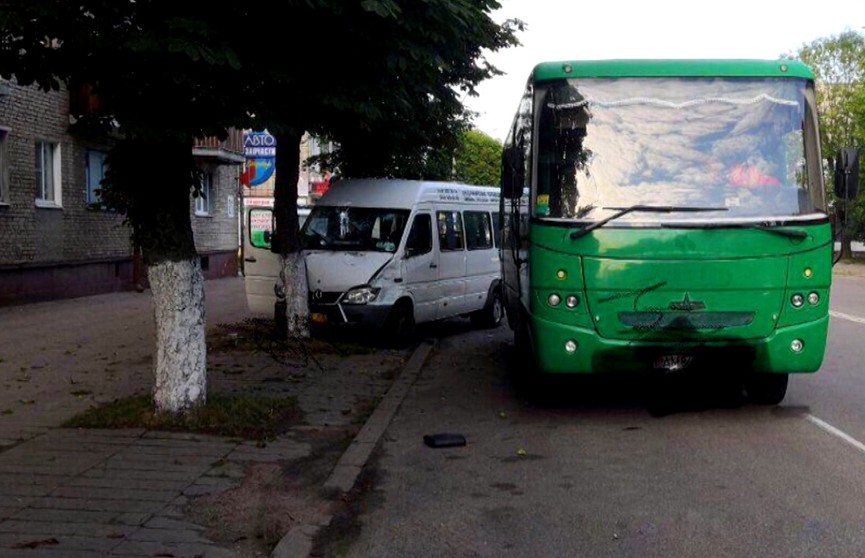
x=404 y=194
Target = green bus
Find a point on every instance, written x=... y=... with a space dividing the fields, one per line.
x=668 y=215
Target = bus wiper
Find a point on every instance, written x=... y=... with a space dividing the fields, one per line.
x=643 y=209
x=787 y=233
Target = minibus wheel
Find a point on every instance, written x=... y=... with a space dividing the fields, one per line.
x=490 y=316
x=400 y=327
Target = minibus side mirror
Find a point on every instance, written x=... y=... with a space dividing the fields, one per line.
x=846 y=180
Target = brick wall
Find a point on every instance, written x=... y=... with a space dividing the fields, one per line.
x=75 y=250
x=217 y=231
x=31 y=235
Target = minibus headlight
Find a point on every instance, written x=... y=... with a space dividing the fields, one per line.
x=360 y=295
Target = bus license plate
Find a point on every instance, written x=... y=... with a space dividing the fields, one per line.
x=673 y=362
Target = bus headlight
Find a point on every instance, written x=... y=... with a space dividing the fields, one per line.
x=360 y=295
x=570 y=346
x=796 y=346
x=572 y=301
x=554 y=299
x=797 y=300
x=813 y=298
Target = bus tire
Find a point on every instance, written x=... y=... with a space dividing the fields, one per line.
x=766 y=389
x=490 y=316
x=400 y=327
x=528 y=381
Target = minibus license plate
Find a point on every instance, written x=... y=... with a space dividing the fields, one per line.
x=673 y=362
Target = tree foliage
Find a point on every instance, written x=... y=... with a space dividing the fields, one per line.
x=382 y=78
x=839 y=67
x=478 y=159
x=157 y=74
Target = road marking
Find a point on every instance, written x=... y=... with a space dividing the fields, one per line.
x=856 y=319
x=836 y=432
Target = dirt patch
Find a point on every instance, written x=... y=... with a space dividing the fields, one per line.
x=272 y=497
x=854 y=268
x=262 y=335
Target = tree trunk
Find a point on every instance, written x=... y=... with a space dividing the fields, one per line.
x=156 y=176
x=181 y=352
x=846 y=248
x=296 y=294
x=286 y=242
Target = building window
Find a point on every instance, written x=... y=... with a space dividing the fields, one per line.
x=95 y=173
x=4 y=166
x=203 y=201
x=47 y=174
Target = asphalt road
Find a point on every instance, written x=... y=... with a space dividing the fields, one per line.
x=595 y=472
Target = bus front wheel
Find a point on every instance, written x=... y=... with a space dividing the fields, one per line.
x=527 y=380
x=766 y=389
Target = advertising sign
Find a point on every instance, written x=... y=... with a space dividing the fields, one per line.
x=259 y=149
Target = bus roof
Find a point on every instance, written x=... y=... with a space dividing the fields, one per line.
x=671 y=68
x=403 y=194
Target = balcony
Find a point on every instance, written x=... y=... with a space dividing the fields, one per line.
x=227 y=151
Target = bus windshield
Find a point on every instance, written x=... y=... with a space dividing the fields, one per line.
x=738 y=144
x=356 y=229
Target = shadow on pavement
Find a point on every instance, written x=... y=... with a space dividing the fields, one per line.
x=661 y=394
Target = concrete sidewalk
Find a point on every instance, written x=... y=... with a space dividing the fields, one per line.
x=69 y=493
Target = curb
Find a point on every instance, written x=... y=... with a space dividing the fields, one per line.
x=297 y=543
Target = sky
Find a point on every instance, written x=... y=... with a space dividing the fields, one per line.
x=609 y=29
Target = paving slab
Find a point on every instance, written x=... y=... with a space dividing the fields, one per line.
x=127 y=492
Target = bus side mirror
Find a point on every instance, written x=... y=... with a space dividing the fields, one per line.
x=846 y=180
x=510 y=189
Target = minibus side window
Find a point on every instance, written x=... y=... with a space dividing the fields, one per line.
x=450 y=227
x=479 y=234
x=497 y=228
x=420 y=236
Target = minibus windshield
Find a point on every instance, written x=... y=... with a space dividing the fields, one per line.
x=357 y=229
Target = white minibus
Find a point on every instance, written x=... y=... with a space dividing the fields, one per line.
x=390 y=254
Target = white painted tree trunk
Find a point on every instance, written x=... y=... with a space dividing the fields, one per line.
x=181 y=351
x=296 y=293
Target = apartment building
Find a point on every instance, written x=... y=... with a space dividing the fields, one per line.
x=54 y=243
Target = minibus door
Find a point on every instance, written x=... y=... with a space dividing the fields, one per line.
x=421 y=261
